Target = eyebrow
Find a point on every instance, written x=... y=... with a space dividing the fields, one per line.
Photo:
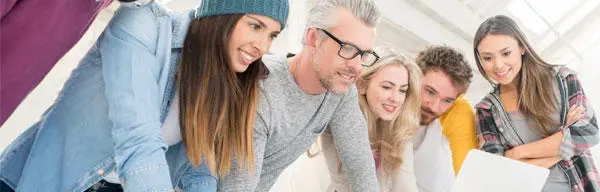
x=337 y=39
x=262 y=23
x=258 y=20
x=436 y=92
x=431 y=88
x=393 y=84
x=501 y=50
x=450 y=98
x=360 y=49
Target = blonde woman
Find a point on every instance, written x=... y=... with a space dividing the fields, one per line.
x=389 y=97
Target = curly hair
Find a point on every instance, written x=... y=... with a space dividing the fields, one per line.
x=448 y=60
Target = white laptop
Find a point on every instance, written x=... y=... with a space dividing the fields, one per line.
x=482 y=171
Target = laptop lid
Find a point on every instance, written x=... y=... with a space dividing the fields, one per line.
x=482 y=171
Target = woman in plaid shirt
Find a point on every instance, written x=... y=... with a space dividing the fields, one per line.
x=537 y=113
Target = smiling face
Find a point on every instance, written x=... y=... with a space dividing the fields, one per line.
x=386 y=91
x=500 y=57
x=250 y=39
x=438 y=95
x=335 y=73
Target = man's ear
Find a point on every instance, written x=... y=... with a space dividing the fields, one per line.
x=311 y=38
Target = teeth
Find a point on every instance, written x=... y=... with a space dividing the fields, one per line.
x=389 y=108
x=502 y=73
x=346 y=76
x=248 y=57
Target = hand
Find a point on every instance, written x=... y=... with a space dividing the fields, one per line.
x=575 y=114
x=515 y=153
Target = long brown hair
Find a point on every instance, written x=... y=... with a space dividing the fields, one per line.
x=536 y=98
x=391 y=137
x=218 y=106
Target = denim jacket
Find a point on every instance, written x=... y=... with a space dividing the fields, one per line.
x=496 y=134
x=109 y=114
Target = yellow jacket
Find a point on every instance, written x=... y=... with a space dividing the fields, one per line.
x=458 y=125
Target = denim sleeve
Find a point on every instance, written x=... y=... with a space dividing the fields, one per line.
x=130 y=71
x=197 y=178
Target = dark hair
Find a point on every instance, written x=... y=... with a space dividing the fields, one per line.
x=218 y=105
x=449 y=61
x=536 y=98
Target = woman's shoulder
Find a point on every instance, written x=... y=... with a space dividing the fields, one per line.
x=131 y=15
x=141 y=18
x=563 y=71
x=138 y=23
x=141 y=24
x=486 y=102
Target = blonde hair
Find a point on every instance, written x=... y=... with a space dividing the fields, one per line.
x=391 y=137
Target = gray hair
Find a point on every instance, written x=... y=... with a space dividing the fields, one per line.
x=321 y=14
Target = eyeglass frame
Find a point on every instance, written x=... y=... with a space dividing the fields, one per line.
x=359 y=52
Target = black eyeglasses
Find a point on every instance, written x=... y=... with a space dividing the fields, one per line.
x=349 y=51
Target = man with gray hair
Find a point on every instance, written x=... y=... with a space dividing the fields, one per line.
x=312 y=92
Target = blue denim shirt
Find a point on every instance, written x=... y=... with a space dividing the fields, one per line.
x=109 y=114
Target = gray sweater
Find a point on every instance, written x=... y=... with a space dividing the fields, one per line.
x=289 y=120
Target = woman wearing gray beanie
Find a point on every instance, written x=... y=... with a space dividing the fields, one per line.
x=154 y=80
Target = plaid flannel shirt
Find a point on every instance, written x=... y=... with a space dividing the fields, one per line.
x=496 y=136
